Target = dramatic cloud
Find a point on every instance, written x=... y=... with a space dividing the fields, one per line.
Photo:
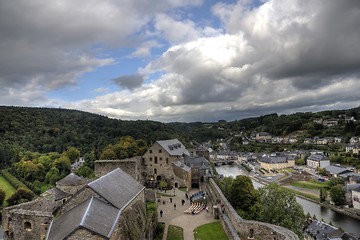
x=281 y=56
x=129 y=82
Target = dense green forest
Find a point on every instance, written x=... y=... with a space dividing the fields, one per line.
x=46 y=130
x=38 y=145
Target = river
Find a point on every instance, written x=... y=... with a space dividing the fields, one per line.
x=347 y=223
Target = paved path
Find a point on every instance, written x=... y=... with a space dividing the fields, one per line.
x=177 y=217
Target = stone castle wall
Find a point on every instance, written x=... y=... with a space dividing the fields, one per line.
x=131 y=166
x=28 y=220
x=264 y=230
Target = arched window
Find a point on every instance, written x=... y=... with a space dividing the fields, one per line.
x=27 y=226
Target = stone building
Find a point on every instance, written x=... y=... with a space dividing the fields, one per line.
x=110 y=207
x=103 y=209
x=276 y=162
x=30 y=220
x=169 y=160
x=131 y=166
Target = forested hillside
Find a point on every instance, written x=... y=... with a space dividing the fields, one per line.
x=38 y=145
x=54 y=130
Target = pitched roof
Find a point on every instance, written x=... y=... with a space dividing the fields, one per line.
x=93 y=215
x=182 y=166
x=117 y=187
x=174 y=147
x=274 y=159
x=72 y=180
x=58 y=194
x=198 y=162
x=317 y=157
x=336 y=170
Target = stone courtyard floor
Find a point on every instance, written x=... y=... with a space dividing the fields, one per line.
x=177 y=217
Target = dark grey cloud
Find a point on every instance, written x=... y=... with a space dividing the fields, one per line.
x=130 y=82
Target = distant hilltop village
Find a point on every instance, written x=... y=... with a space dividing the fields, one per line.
x=113 y=205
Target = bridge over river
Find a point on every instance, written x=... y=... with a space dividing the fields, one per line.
x=221 y=162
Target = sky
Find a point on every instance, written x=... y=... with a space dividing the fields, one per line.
x=181 y=60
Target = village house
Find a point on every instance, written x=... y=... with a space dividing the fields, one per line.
x=263 y=137
x=356 y=198
x=330 y=122
x=317 y=230
x=338 y=139
x=336 y=171
x=315 y=161
x=354 y=140
x=276 y=162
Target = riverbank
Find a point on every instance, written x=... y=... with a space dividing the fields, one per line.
x=338 y=217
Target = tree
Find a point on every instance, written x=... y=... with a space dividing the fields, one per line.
x=244 y=197
x=108 y=153
x=337 y=194
x=90 y=159
x=2 y=197
x=20 y=196
x=335 y=181
x=323 y=194
x=279 y=207
x=73 y=154
x=85 y=171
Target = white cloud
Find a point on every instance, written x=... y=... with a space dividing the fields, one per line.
x=282 y=56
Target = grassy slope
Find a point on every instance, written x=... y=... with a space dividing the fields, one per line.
x=210 y=231
x=175 y=233
x=7 y=187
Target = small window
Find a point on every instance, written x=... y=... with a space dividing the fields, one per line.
x=155 y=160
x=160 y=151
x=150 y=151
x=27 y=226
x=155 y=171
x=160 y=158
x=167 y=161
x=150 y=159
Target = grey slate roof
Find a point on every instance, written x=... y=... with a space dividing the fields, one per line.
x=117 y=187
x=336 y=170
x=274 y=159
x=174 y=147
x=72 y=180
x=317 y=157
x=319 y=229
x=197 y=162
x=183 y=166
x=58 y=194
x=93 y=214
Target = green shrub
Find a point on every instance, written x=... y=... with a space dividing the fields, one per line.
x=16 y=183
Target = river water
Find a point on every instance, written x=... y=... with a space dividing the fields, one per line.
x=347 y=223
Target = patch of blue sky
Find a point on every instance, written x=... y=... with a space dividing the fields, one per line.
x=99 y=80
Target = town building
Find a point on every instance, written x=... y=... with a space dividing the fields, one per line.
x=355 y=196
x=263 y=137
x=336 y=171
x=315 y=161
x=319 y=230
x=276 y=162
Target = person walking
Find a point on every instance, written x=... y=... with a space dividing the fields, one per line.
x=161 y=213
x=182 y=202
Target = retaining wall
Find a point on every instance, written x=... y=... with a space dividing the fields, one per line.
x=233 y=223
